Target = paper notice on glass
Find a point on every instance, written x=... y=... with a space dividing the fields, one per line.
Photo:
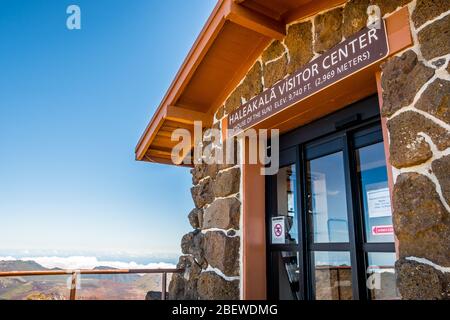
x=379 y=203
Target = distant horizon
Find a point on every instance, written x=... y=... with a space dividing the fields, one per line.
x=90 y=253
x=76 y=260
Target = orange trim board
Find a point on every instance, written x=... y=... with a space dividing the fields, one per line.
x=253 y=232
x=256 y=21
x=387 y=152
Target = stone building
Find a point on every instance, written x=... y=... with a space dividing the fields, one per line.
x=360 y=207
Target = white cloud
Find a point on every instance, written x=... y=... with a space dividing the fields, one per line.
x=7 y=259
x=85 y=262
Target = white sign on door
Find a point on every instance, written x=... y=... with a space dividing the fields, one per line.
x=279 y=230
x=379 y=203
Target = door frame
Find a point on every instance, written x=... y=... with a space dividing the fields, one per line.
x=358 y=117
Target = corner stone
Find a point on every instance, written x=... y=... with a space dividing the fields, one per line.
x=193 y=243
x=234 y=100
x=275 y=71
x=436 y=100
x=402 y=78
x=407 y=147
x=222 y=214
x=275 y=50
x=299 y=43
x=428 y=10
x=355 y=16
x=183 y=286
x=252 y=84
x=420 y=220
x=202 y=193
x=213 y=287
x=196 y=218
x=198 y=173
x=227 y=182
x=388 y=6
x=435 y=39
x=328 y=30
x=441 y=169
x=222 y=252
x=417 y=281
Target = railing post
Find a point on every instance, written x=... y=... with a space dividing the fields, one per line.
x=73 y=287
x=164 y=285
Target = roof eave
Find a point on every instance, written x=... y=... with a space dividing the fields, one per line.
x=198 y=50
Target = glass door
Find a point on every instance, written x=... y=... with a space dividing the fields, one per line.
x=327 y=220
x=375 y=232
x=330 y=233
x=285 y=253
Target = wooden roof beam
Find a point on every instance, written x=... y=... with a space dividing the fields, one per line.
x=159 y=153
x=256 y=21
x=187 y=116
x=259 y=8
x=167 y=133
x=177 y=159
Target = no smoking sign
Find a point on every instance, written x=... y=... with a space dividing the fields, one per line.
x=278 y=230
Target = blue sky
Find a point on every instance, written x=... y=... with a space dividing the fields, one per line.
x=73 y=105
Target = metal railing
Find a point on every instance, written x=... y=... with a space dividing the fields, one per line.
x=76 y=273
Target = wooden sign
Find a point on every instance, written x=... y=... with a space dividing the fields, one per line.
x=357 y=52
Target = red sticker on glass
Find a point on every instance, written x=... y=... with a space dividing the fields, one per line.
x=383 y=230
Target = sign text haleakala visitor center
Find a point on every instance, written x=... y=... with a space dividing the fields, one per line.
x=355 y=53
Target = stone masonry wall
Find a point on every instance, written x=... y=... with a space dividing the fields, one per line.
x=416 y=90
x=415 y=94
x=212 y=250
